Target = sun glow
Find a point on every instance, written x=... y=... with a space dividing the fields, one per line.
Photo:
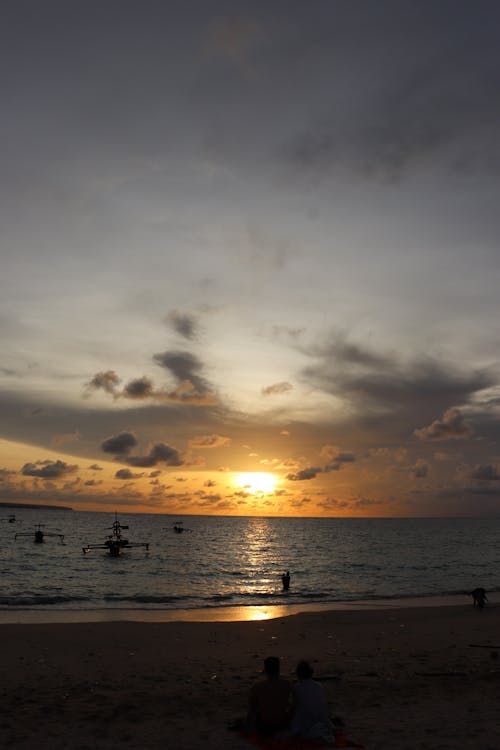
x=257 y=482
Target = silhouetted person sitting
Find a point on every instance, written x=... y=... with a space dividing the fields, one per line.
x=310 y=718
x=270 y=703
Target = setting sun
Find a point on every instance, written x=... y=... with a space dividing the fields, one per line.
x=257 y=482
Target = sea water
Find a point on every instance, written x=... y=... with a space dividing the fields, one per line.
x=220 y=562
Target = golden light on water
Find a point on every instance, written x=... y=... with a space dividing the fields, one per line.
x=257 y=482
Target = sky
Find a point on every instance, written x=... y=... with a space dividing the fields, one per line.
x=250 y=256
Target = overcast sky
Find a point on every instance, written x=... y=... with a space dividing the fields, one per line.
x=251 y=236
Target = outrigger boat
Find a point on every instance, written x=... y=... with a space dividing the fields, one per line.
x=115 y=542
x=40 y=534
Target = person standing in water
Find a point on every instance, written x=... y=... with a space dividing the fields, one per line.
x=285 y=579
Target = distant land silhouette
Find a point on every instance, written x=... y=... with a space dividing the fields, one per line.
x=35 y=506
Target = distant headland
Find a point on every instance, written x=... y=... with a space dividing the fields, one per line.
x=34 y=506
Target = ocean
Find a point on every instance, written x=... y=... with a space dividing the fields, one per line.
x=221 y=562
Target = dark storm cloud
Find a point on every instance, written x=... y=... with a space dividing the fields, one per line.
x=48 y=469
x=451 y=426
x=120 y=444
x=183 y=323
x=159 y=453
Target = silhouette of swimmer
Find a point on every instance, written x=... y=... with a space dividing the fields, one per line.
x=285 y=579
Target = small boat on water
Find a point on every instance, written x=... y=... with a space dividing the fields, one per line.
x=40 y=534
x=115 y=542
x=179 y=528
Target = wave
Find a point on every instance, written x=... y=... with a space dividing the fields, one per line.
x=40 y=600
x=145 y=599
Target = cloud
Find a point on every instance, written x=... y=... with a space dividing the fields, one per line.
x=191 y=387
x=451 y=426
x=126 y=474
x=304 y=474
x=48 y=469
x=182 y=323
x=340 y=460
x=277 y=388
x=159 y=453
x=184 y=366
x=139 y=388
x=375 y=383
x=120 y=444
x=335 y=457
x=210 y=441
x=107 y=381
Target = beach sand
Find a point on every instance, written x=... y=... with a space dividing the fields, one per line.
x=400 y=678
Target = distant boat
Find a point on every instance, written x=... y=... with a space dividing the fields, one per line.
x=179 y=528
x=115 y=542
x=40 y=535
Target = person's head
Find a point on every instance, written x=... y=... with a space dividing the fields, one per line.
x=272 y=666
x=304 y=670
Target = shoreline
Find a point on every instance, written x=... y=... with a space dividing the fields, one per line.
x=247 y=613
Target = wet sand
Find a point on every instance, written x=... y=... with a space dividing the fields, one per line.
x=420 y=677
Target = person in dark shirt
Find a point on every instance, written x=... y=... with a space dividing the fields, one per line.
x=270 y=704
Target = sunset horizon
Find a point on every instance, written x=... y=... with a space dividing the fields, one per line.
x=251 y=259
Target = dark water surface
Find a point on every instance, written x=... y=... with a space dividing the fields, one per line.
x=237 y=562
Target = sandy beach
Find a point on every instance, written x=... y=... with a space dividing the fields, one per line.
x=422 y=677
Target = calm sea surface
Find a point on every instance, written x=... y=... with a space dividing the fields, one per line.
x=222 y=562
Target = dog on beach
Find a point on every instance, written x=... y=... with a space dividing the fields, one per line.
x=479 y=597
